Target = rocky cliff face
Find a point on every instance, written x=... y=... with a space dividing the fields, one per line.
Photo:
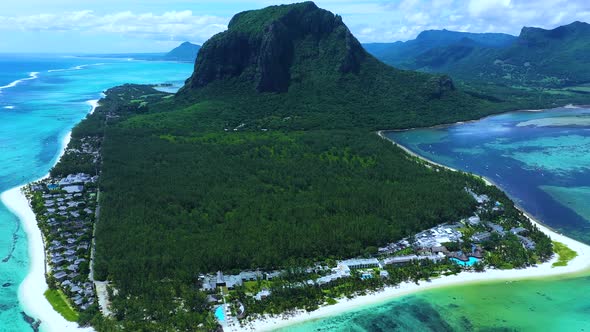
x=264 y=46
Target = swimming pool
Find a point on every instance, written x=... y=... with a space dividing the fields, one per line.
x=470 y=262
x=220 y=314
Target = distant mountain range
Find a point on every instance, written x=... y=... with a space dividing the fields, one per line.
x=185 y=52
x=537 y=57
x=402 y=54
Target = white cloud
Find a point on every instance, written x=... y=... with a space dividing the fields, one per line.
x=175 y=25
x=405 y=19
x=369 y=20
x=485 y=7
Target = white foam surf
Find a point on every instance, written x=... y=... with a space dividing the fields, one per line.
x=80 y=67
x=32 y=76
x=93 y=103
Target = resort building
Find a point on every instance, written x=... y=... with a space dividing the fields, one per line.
x=75 y=179
x=481 y=237
x=73 y=189
x=496 y=228
x=473 y=220
x=481 y=199
x=251 y=275
x=436 y=236
x=518 y=230
x=262 y=294
x=526 y=242
x=361 y=263
x=402 y=260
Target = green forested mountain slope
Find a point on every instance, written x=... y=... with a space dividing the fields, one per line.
x=402 y=54
x=267 y=158
x=538 y=58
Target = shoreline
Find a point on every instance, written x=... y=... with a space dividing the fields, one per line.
x=31 y=291
x=578 y=265
x=444 y=125
x=32 y=288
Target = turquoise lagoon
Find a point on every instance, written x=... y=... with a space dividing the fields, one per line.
x=542 y=161
x=41 y=99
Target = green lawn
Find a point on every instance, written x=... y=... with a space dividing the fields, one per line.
x=565 y=254
x=256 y=286
x=59 y=302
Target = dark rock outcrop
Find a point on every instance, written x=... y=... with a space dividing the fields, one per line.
x=34 y=323
x=437 y=86
x=264 y=46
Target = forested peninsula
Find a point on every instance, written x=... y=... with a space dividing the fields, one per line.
x=265 y=171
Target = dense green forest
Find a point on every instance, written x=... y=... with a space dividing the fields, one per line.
x=247 y=199
x=266 y=158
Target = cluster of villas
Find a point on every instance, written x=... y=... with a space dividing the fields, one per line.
x=67 y=224
x=485 y=203
x=426 y=245
x=498 y=229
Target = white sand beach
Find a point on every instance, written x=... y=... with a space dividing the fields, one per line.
x=32 y=289
x=579 y=264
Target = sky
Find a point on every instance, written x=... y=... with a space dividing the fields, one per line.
x=138 y=26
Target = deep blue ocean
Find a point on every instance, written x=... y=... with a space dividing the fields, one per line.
x=41 y=98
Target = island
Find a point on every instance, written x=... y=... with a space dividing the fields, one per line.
x=263 y=190
x=496 y=236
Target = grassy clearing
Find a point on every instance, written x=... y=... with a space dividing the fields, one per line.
x=564 y=252
x=59 y=302
x=256 y=286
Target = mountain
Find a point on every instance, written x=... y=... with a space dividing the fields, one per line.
x=399 y=54
x=186 y=52
x=557 y=58
x=268 y=52
x=302 y=53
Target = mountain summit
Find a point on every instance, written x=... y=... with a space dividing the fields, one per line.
x=184 y=52
x=265 y=45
